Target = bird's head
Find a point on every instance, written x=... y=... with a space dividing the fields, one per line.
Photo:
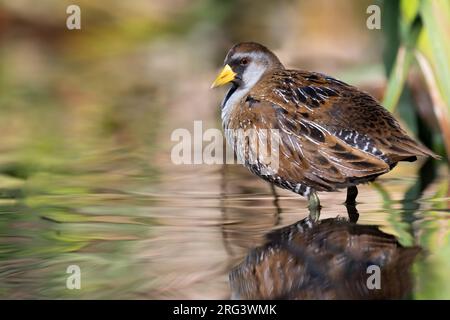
x=245 y=63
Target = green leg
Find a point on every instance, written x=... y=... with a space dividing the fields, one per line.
x=314 y=206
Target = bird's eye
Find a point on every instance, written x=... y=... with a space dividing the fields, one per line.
x=244 y=61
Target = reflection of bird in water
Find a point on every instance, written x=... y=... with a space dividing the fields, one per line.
x=331 y=135
x=327 y=259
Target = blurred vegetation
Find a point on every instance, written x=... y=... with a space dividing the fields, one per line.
x=417 y=37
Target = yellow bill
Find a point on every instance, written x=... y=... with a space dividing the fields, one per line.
x=225 y=76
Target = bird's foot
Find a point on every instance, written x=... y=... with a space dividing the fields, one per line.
x=352 y=212
x=350 y=204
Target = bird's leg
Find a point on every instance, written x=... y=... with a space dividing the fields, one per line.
x=314 y=206
x=350 y=204
x=276 y=203
x=352 y=193
x=352 y=212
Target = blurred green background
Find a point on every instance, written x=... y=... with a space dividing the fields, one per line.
x=86 y=117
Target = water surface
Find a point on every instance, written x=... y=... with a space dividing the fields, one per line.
x=176 y=232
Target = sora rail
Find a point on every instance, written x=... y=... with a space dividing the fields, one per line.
x=331 y=134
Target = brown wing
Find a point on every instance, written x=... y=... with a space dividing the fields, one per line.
x=324 y=160
x=344 y=111
x=308 y=153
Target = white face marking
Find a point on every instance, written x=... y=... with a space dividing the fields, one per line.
x=251 y=76
x=254 y=70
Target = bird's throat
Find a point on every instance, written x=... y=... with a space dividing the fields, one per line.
x=231 y=101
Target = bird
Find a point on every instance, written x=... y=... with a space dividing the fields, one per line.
x=330 y=135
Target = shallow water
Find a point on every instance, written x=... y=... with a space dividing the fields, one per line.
x=137 y=235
